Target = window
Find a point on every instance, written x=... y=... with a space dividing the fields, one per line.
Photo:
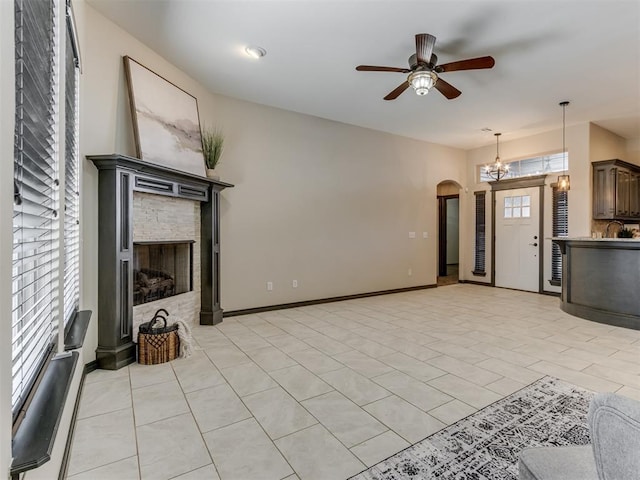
x=479 y=267
x=39 y=294
x=529 y=167
x=71 y=174
x=559 y=228
x=517 y=206
x=35 y=216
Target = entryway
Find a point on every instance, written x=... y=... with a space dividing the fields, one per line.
x=517 y=220
x=448 y=232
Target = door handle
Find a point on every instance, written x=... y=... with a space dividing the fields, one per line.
x=534 y=244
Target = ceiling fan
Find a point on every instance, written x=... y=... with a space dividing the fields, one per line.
x=423 y=70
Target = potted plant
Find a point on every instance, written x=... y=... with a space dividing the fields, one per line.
x=212 y=146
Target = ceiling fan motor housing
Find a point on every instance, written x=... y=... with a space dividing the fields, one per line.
x=413 y=62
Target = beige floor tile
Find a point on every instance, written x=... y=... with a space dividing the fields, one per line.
x=354 y=386
x=505 y=386
x=216 y=407
x=100 y=375
x=363 y=364
x=503 y=354
x=300 y=382
x=247 y=379
x=266 y=330
x=465 y=391
x=196 y=372
x=145 y=375
x=413 y=391
x=157 y=402
x=224 y=357
x=278 y=412
x=316 y=361
x=474 y=373
x=249 y=341
x=452 y=412
x=315 y=454
x=413 y=367
x=379 y=448
x=288 y=343
x=327 y=345
x=614 y=375
x=271 y=358
x=343 y=418
x=419 y=352
x=208 y=472
x=509 y=370
x=105 y=396
x=244 y=451
x=102 y=440
x=580 y=379
x=368 y=347
x=170 y=447
x=126 y=469
x=408 y=421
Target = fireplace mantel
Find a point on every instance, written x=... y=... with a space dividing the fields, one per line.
x=119 y=177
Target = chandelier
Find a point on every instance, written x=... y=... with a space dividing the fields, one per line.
x=497 y=170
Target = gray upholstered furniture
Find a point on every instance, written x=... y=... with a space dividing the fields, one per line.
x=614 y=425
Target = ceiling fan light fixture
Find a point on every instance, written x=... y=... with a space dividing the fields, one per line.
x=255 y=52
x=422 y=81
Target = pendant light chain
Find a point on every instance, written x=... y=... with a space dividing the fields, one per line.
x=564 y=183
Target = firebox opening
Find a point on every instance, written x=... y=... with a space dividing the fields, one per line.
x=161 y=269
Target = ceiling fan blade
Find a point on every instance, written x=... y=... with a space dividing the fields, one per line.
x=447 y=89
x=424 y=47
x=396 y=93
x=471 y=64
x=372 y=68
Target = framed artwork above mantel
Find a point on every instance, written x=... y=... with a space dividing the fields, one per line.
x=166 y=122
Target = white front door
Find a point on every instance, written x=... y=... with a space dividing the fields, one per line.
x=517 y=238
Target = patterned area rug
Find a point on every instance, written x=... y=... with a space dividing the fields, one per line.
x=485 y=445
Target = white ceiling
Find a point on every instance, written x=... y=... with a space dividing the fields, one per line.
x=587 y=52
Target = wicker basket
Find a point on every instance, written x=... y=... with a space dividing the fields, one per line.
x=158 y=344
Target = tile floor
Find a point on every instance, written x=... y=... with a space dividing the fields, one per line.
x=322 y=392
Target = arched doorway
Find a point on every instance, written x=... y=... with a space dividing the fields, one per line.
x=448 y=232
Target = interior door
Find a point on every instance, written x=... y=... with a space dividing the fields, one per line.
x=517 y=239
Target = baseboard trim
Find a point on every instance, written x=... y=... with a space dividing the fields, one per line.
x=64 y=467
x=319 y=301
x=474 y=282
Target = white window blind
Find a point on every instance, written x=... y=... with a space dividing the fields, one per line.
x=480 y=239
x=559 y=228
x=35 y=219
x=71 y=175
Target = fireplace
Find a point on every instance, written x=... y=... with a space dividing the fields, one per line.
x=142 y=205
x=161 y=269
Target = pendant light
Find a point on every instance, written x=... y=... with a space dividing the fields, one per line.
x=497 y=170
x=564 y=183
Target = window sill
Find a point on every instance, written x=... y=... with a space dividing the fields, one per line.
x=76 y=330
x=33 y=441
x=555 y=283
x=479 y=274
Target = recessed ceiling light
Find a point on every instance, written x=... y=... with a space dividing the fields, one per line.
x=255 y=52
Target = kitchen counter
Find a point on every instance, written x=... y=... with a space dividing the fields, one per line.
x=601 y=279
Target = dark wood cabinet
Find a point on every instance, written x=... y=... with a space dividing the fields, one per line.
x=616 y=190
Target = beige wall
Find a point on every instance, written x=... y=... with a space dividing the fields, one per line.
x=327 y=204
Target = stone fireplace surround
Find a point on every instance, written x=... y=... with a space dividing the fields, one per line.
x=141 y=201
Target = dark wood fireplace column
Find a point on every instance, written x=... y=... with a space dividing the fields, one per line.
x=119 y=177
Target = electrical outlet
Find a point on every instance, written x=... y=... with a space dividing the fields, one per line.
x=425 y=235
x=269 y=286
x=294 y=283
x=410 y=272
x=412 y=234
